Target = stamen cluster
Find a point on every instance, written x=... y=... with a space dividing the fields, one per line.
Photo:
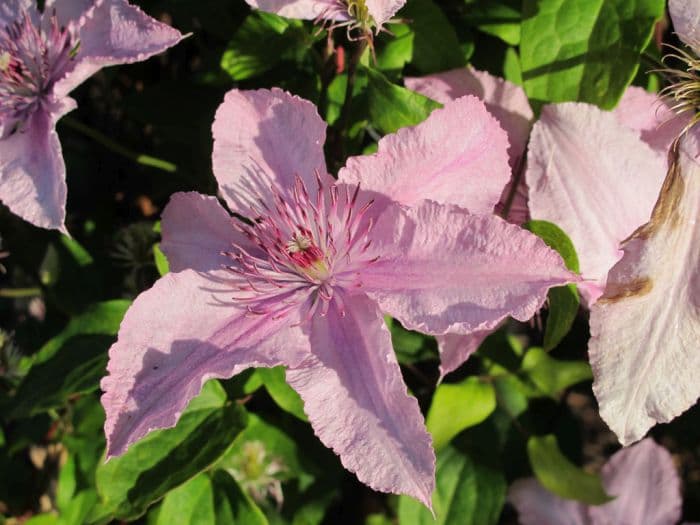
x=305 y=247
x=32 y=59
x=684 y=88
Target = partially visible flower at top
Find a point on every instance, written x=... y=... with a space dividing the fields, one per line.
x=361 y=18
x=642 y=478
x=684 y=90
x=258 y=473
x=407 y=231
x=43 y=56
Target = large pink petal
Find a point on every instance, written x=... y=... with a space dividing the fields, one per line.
x=504 y=100
x=595 y=179
x=455 y=349
x=32 y=172
x=196 y=229
x=646 y=486
x=645 y=329
x=175 y=336
x=458 y=155
x=115 y=32
x=686 y=21
x=443 y=270
x=648 y=114
x=303 y=9
x=537 y=506
x=67 y=11
x=357 y=402
x=263 y=138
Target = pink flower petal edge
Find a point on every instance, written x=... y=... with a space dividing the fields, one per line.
x=686 y=21
x=643 y=479
x=645 y=329
x=440 y=159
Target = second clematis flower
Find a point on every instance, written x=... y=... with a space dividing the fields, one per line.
x=43 y=56
x=304 y=281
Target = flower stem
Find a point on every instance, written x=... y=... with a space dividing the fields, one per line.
x=519 y=169
x=145 y=160
x=18 y=293
x=344 y=119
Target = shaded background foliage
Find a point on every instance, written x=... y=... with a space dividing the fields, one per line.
x=243 y=452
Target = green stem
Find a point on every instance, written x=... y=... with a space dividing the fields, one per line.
x=519 y=169
x=145 y=160
x=344 y=119
x=18 y=293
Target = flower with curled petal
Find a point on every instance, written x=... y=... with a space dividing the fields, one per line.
x=43 y=56
x=304 y=280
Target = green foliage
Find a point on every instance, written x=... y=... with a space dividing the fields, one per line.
x=563 y=300
x=585 y=50
x=164 y=459
x=392 y=107
x=559 y=475
x=284 y=395
x=457 y=406
x=500 y=18
x=551 y=376
x=468 y=492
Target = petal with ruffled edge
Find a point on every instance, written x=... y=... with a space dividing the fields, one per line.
x=113 y=32
x=455 y=349
x=648 y=114
x=383 y=10
x=196 y=229
x=645 y=329
x=263 y=138
x=357 y=401
x=595 y=179
x=458 y=155
x=174 y=337
x=32 y=171
x=443 y=270
x=686 y=21
x=504 y=100
x=302 y=9
x=646 y=487
x=537 y=506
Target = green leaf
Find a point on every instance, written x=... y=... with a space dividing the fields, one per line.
x=395 y=51
x=283 y=394
x=78 y=508
x=466 y=493
x=42 y=519
x=435 y=44
x=557 y=239
x=500 y=18
x=563 y=300
x=75 y=369
x=411 y=347
x=98 y=319
x=457 y=406
x=232 y=504
x=191 y=503
x=550 y=375
x=65 y=490
x=164 y=459
x=392 y=107
x=585 y=50
x=161 y=260
x=561 y=477
x=260 y=43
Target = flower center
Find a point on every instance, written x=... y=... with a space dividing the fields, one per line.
x=303 y=248
x=32 y=59
x=683 y=91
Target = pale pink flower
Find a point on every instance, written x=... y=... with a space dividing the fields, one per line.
x=686 y=22
x=363 y=16
x=407 y=231
x=642 y=479
x=43 y=56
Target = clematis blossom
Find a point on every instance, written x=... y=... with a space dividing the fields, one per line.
x=43 y=56
x=304 y=282
x=642 y=478
x=360 y=17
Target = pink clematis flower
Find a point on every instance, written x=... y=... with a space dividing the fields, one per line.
x=361 y=16
x=642 y=478
x=406 y=231
x=43 y=56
